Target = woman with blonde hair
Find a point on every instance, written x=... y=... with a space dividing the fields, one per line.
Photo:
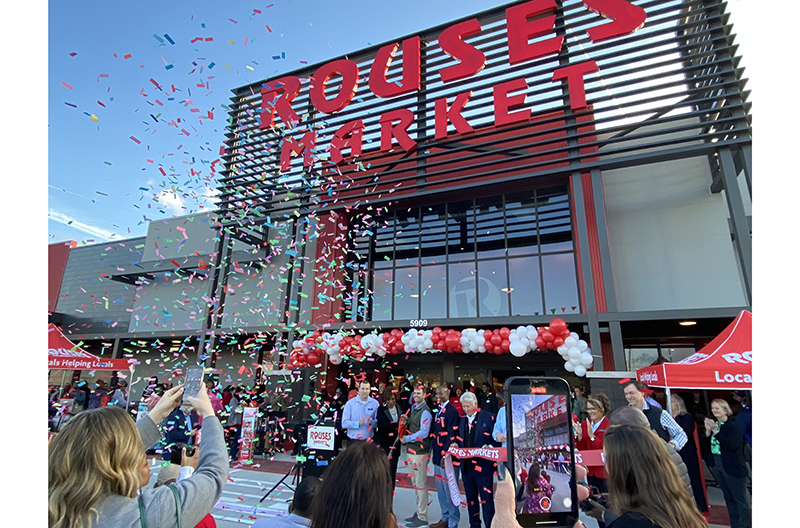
x=644 y=488
x=726 y=462
x=589 y=435
x=97 y=464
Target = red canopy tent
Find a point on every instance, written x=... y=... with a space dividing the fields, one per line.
x=63 y=354
x=724 y=364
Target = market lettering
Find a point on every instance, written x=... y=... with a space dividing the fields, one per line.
x=731 y=378
x=524 y=23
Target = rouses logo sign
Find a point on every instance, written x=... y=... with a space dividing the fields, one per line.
x=649 y=377
x=321 y=438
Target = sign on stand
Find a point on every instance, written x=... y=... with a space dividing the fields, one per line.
x=248 y=434
x=321 y=438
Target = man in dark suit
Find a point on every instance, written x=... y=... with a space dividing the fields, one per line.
x=446 y=426
x=488 y=401
x=182 y=425
x=477 y=474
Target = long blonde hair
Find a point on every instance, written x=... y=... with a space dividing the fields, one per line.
x=96 y=454
x=643 y=478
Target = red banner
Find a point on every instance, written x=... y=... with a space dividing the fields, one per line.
x=591 y=458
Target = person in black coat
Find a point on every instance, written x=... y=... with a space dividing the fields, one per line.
x=445 y=432
x=689 y=452
x=388 y=420
x=488 y=401
x=726 y=461
x=182 y=426
x=477 y=474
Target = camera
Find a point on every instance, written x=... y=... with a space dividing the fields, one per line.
x=600 y=499
x=175 y=452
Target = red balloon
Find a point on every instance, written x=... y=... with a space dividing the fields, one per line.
x=453 y=342
x=540 y=343
x=487 y=334
x=548 y=336
x=505 y=344
x=558 y=341
x=558 y=326
x=496 y=339
x=505 y=332
x=313 y=358
x=437 y=330
x=489 y=347
x=540 y=330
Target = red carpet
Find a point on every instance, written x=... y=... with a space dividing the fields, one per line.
x=718 y=515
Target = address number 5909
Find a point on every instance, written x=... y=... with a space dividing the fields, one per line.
x=417 y=323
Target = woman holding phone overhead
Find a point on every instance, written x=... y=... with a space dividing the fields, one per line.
x=97 y=465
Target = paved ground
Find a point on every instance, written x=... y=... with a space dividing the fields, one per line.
x=241 y=500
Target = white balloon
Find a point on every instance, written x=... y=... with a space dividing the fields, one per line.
x=522 y=331
x=514 y=337
x=563 y=349
x=427 y=334
x=465 y=349
x=574 y=352
x=569 y=367
x=464 y=340
x=473 y=346
x=381 y=352
x=480 y=340
x=338 y=337
x=531 y=334
x=405 y=339
x=481 y=349
x=586 y=359
x=582 y=345
x=525 y=341
x=570 y=342
x=575 y=361
x=428 y=344
x=335 y=359
x=517 y=349
x=580 y=370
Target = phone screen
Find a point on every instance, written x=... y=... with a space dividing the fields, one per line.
x=541 y=451
x=193 y=382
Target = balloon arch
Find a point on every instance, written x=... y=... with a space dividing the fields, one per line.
x=308 y=352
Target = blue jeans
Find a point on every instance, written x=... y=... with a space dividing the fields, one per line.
x=450 y=511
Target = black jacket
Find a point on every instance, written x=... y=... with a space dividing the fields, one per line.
x=386 y=432
x=488 y=402
x=484 y=425
x=177 y=431
x=730 y=445
x=445 y=431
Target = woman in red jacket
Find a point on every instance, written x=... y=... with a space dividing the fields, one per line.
x=589 y=436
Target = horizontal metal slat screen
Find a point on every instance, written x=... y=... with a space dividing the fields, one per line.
x=668 y=90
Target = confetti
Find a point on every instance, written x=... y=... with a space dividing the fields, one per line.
x=66 y=85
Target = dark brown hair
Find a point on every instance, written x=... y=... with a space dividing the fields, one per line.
x=642 y=478
x=356 y=490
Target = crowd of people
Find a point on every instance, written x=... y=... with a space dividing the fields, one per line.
x=649 y=478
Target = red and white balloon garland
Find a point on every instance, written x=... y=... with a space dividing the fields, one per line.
x=307 y=352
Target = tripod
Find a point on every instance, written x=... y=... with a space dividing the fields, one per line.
x=295 y=472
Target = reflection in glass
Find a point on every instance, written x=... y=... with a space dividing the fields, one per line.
x=560 y=284
x=492 y=288
x=521 y=224
x=434 y=234
x=640 y=357
x=526 y=287
x=462 y=289
x=460 y=231
x=555 y=227
x=434 y=292
x=382 y=295
x=407 y=237
x=406 y=293
x=489 y=227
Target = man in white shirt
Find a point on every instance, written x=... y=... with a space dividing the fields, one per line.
x=359 y=413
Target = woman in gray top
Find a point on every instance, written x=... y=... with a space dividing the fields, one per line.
x=97 y=464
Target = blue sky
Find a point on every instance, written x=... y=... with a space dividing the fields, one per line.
x=122 y=75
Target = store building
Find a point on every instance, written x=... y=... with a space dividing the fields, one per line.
x=532 y=161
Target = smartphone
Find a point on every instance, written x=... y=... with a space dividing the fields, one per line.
x=193 y=382
x=541 y=451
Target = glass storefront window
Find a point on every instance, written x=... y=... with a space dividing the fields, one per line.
x=525 y=286
x=434 y=292
x=493 y=256
x=492 y=288
x=560 y=283
x=406 y=293
x=637 y=358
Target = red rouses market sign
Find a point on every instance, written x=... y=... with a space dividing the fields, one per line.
x=525 y=22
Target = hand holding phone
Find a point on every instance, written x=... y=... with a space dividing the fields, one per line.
x=193 y=382
x=540 y=441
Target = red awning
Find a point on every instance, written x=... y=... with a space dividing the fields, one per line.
x=63 y=354
x=725 y=363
